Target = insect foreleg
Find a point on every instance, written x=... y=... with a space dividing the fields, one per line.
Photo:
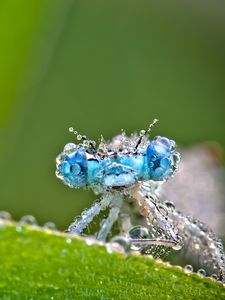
x=116 y=203
x=125 y=219
x=154 y=242
x=87 y=216
x=156 y=215
x=108 y=223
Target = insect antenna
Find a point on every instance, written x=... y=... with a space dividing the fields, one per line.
x=144 y=133
x=86 y=141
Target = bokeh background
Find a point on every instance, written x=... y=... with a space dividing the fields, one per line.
x=100 y=66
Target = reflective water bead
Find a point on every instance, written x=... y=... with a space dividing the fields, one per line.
x=76 y=169
x=173 y=144
x=50 y=226
x=158 y=172
x=201 y=272
x=165 y=141
x=139 y=232
x=4 y=215
x=28 y=219
x=122 y=241
x=170 y=205
x=64 y=168
x=176 y=157
x=151 y=164
x=163 y=209
x=164 y=162
x=153 y=157
x=188 y=268
x=59 y=159
x=179 y=245
x=214 y=277
x=70 y=147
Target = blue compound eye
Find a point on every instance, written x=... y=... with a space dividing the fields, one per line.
x=76 y=169
x=161 y=158
x=64 y=168
x=72 y=167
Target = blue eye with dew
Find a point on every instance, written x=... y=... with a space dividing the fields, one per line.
x=161 y=158
x=72 y=166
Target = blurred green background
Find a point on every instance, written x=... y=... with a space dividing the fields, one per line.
x=100 y=66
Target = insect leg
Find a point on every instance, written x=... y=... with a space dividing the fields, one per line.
x=152 y=242
x=116 y=202
x=156 y=216
x=108 y=223
x=125 y=219
x=87 y=216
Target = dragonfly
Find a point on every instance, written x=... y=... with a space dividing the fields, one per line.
x=128 y=173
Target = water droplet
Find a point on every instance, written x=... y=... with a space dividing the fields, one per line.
x=50 y=226
x=76 y=169
x=170 y=205
x=89 y=241
x=123 y=133
x=71 y=129
x=79 y=137
x=28 y=220
x=59 y=159
x=142 y=132
x=176 y=158
x=165 y=163
x=122 y=241
x=110 y=248
x=153 y=157
x=162 y=252
x=158 y=172
x=86 y=143
x=163 y=209
x=139 y=232
x=4 y=215
x=93 y=143
x=70 y=147
x=173 y=144
x=188 y=268
x=214 y=277
x=179 y=245
x=201 y=272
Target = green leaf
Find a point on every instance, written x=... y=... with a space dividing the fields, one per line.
x=42 y=264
